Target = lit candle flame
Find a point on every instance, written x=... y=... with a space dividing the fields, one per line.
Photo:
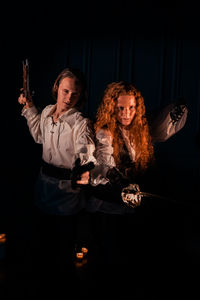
x=79 y=255
x=84 y=250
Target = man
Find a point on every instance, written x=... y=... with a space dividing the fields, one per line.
x=67 y=155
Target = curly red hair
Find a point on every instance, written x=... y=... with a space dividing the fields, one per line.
x=139 y=135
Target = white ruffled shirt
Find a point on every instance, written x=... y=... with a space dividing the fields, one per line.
x=64 y=141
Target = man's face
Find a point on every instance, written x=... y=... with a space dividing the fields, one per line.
x=68 y=94
x=125 y=109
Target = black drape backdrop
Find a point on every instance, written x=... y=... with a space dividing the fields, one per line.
x=154 y=47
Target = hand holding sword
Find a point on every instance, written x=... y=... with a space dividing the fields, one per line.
x=132 y=196
x=130 y=192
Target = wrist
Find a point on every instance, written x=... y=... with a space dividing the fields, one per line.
x=29 y=104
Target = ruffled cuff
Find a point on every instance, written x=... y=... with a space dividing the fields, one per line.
x=28 y=112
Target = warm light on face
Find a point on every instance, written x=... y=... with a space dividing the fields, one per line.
x=68 y=94
x=125 y=109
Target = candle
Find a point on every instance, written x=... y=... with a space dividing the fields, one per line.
x=84 y=250
x=79 y=255
x=2 y=238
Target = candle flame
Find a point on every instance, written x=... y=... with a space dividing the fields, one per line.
x=79 y=255
x=84 y=250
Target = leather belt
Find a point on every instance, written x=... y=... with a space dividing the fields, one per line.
x=56 y=172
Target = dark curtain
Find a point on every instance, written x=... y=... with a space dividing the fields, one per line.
x=157 y=48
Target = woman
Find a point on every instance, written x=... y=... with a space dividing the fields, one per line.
x=125 y=154
x=125 y=139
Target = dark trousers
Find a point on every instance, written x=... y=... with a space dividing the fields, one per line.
x=53 y=240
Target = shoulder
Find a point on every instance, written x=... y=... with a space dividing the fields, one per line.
x=104 y=135
x=76 y=120
x=47 y=110
x=81 y=119
x=103 y=132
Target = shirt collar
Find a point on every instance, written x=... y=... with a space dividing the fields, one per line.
x=67 y=113
x=66 y=116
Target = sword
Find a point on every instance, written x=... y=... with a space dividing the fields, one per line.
x=132 y=196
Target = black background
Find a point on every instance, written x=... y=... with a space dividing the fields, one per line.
x=156 y=47
x=165 y=64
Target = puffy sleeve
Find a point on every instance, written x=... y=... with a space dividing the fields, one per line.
x=104 y=157
x=33 y=118
x=168 y=122
x=84 y=143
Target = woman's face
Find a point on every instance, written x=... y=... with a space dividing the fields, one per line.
x=125 y=109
